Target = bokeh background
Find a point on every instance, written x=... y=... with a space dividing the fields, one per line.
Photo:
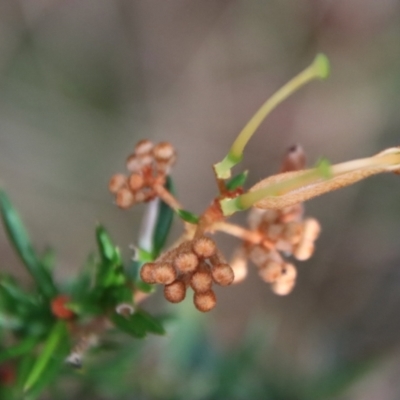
x=82 y=81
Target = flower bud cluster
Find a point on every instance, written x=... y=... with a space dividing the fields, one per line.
x=148 y=166
x=196 y=263
x=283 y=232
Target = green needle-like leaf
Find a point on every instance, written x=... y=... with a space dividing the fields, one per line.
x=57 y=336
x=106 y=246
x=138 y=324
x=22 y=244
x=21 y=348
x=237 y=181
x=188 y=216
x=164 y=223
x=151 y=323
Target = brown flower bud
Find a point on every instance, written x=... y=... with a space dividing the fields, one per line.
x=254 y=217
x=124 y=198
x=283 y=287
x=289 y=272
x=293 y=232
x=304 y=250
x=222 y=274
x=142 y=196
x=259 y=255
x=294 y=159
x=164 y=273
x=312 y=229
x=163 y=151
x=147 y=272
x=143 y=147
x=270 y=216
x=275 y=231
x=205 y=301
x=117 y=181
x=175 y=292
x=204 y=247
x=285 y=283
x=135 y=182
x=239 y=265
x=201 y=281
x=271 y=271
x=186 y=262
x=133 y=163
x=292 y=213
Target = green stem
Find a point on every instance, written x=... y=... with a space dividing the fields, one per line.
x=319 y=69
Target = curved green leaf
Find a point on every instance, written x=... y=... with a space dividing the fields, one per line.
x=22 y=245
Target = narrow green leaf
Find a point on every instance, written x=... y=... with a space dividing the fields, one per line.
x=110 y=270
x=21 y=348
x=49 y=259
x=57 y=335
x=138 y=324
x=150 y=323
x=237 y=181
x=22 y=245
x=164 y=222
x=105 y=244
x=23 y=368
x=49 y=375
x=14 y=293
x=188 y=216
x=129 y=325
x=144 y=256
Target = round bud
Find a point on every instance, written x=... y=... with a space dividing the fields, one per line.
x=204 y=247
x=282 y=287
x=294 y=159
x=124 y=198
x=289 y=272
x=117 y=181
x=201 y=281
x=275 y=231
x=186 y=262
x=145 y=159
x=239 y=265
x=164 y=273
x=293 y=232
x=133 y=163
x=205 y=301
x=163 y=151
x=304 y=250
x=59 y=307
x=222 y=274
x=254 y=218
x=142 y=196
x=292 y=213
x=270 y=216
x=271 y=271
x=147 y=272
x=135 y=182
x=175 y=292
x=312 y=229
x=143 y=147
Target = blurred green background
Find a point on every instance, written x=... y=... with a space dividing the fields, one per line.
x=82 y=81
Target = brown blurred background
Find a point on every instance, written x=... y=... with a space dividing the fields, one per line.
x=82 y=81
